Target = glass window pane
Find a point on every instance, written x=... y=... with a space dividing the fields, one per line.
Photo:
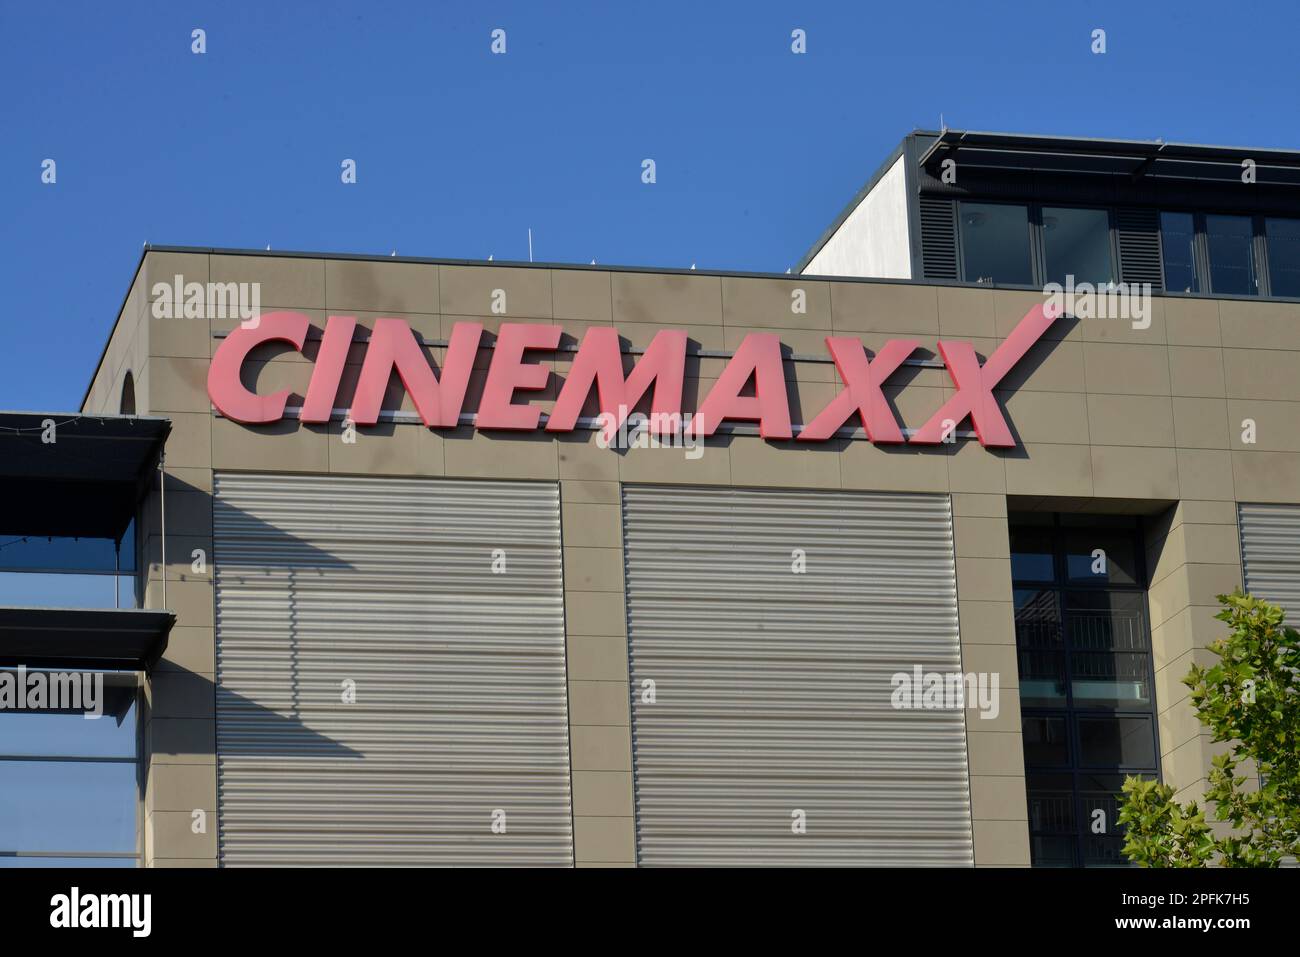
x=1051 y=803
x=995 y=243
x=1076 y=242
x=1120 y=742
x=64 y=590
x=1051 y=851
x=1038 y=619
x=1177 y=235
x=60 y=734
x=10 y=860
x=1232 y=255
x=1031 y=553
x=1118 y=681
x=1101 y=556
x=1105 y=621
x=1045 y=741
x=41 y=553
x=67 y=806
x=1283 y=237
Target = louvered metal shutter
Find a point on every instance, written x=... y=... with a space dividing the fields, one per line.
x=938 y=237
x=772 y=689
x=459 y=673
x=1270 y=555
x=1139 y=247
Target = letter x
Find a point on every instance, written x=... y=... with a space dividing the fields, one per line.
x=975 y=383
x=861 y=393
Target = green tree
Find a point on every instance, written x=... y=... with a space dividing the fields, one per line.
x=1250 y=698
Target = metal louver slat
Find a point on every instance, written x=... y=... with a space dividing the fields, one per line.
x=1270 y=555
x=938 y=237
x=772 y=688
x=459 y=673
x=1139 y=247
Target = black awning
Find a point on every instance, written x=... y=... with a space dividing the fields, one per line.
x=85 y=482
x=76 y=638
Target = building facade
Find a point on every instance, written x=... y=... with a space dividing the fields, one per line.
x=432 y=608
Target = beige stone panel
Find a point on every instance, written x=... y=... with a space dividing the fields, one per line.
x=1126 y=369
x=981 y=537
x=600 y=748
x=1049 y=366
x=965 y=312
x=582 y=294
x=1001 y=843
x=979 y=505
x=767 y=303
x=284 y=446
x=588 y=525
x=995 y=753
x=602 y=793
x=899 y=308
x=1010 y=306
x=468 y=291
x=986 y=579
x=664 y=300
x=186 y=862
x=595 y=613
x=1119 y=327
x=1007 y=717
x=1261 y=374
x=1208 y=513
x=1192 y=321
x=1056 y=417
x=639 y=335
x=191 y=601
x=986 y=621
x=998 y=798
x=177 y=337
x=604 y=840
x=1169 y=678
x=1205 y=474
x=599 y=703
x=592 y=569
x=180 y=741
x=789 y=464
x=1200 y=423
x=286 y=282
x=597 y=658
x=178 y=385
x=183 y=787
x=1178 y=725
x=1130 y=472
x=711 y=465
x=800 y=342
x=469 y=453
x=1259 y=324
x=1266 y=476
x=1196 y=371
x=189 y=445
x=1049 y=469
x=581 y=458
x=573 y=490
x=1277 y=425
x=282 y=351
x=178 y=694
x=997 y=660
x=895 y=468
x=973 y=468
x=173 y=835
x=161 y=266
x=1146 y=421
x=381 y=286
x=180 y=557
x=189 y=648
x=386 y=448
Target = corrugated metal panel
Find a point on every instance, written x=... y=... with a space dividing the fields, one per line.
x=459 y=673
x=1270 y=555
x=938 y=237
x=773 y=688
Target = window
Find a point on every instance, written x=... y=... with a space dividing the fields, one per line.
x=995 y=243
x=1086 y=678
x=69 y=783
x=1230 y=245
x=1178 y=242
x=1283 y=237
x=42 y=571
x=1076 y=242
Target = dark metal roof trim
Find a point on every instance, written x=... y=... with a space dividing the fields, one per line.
x=84 y=638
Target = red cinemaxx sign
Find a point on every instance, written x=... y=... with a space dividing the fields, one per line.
x=439 y=397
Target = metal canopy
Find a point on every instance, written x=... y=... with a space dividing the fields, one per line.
x=78 y=638
x=1136 y=158
x=85 y=482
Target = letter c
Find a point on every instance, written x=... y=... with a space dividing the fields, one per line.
x=226 y=390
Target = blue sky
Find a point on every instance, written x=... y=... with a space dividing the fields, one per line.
x=459 y=151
